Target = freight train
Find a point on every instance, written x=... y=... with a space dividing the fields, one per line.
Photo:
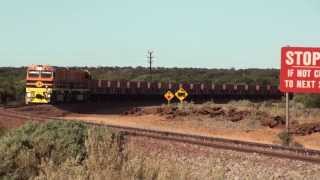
x=48 y=84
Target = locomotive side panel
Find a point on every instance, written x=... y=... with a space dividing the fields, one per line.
x=64 y=74
x=71 y=85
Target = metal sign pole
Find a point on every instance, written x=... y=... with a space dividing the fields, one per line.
x=287 y=111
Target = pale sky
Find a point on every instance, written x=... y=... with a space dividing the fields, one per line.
x=182 y=33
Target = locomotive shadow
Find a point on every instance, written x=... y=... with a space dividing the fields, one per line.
x=106 y=105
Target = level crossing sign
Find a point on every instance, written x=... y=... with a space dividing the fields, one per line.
x=181 y=94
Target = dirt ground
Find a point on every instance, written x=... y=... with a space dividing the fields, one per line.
x=159 y=123
x=239 y=120
x=224 y=164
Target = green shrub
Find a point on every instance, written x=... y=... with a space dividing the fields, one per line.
x=285 y=138
x=2 y=131
x=308 y=100
x=24 y=149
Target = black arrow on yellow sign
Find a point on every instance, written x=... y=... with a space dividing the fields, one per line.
x=181 y=94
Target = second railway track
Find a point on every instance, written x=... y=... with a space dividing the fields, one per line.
x=272 y=150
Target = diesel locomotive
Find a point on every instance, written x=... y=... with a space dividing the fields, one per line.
x=46 y=84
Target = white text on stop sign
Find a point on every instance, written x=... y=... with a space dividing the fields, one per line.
x=302 y=58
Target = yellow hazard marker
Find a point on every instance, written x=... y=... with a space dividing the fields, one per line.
x=169 y=96
x=181 y=94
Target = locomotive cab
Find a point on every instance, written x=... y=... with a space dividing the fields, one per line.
x=39 y=84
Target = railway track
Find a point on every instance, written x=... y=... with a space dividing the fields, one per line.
x=7 y=112
x=236 y=145
x=221 y=143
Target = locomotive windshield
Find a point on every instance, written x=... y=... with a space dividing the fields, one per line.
x=33 y=74
x=46 y=74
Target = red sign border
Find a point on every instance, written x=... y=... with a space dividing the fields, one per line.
x=283 y=71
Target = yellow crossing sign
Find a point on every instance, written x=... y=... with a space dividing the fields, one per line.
x=181 y=94
x=169 y=96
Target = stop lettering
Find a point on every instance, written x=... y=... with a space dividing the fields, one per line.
x=302 y=58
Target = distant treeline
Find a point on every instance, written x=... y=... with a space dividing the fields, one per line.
x=248 y=76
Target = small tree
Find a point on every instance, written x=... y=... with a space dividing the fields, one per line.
x=7 y=90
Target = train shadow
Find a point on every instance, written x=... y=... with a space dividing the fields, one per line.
x=104 y=108
x=113 y=105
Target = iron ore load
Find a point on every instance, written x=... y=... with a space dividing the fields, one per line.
x=48 y=84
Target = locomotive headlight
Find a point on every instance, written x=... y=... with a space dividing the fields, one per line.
x=28 y=95
x=49 y=95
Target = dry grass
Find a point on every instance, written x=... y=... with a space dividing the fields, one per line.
x=106 y=161
x=298 y=112
x=249 y=122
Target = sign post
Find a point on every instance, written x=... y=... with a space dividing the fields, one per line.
x=287 y=112
x=299 y=73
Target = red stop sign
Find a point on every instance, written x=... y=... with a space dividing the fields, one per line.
x=300 y=70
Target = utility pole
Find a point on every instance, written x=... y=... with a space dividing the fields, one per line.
x=150 y=61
